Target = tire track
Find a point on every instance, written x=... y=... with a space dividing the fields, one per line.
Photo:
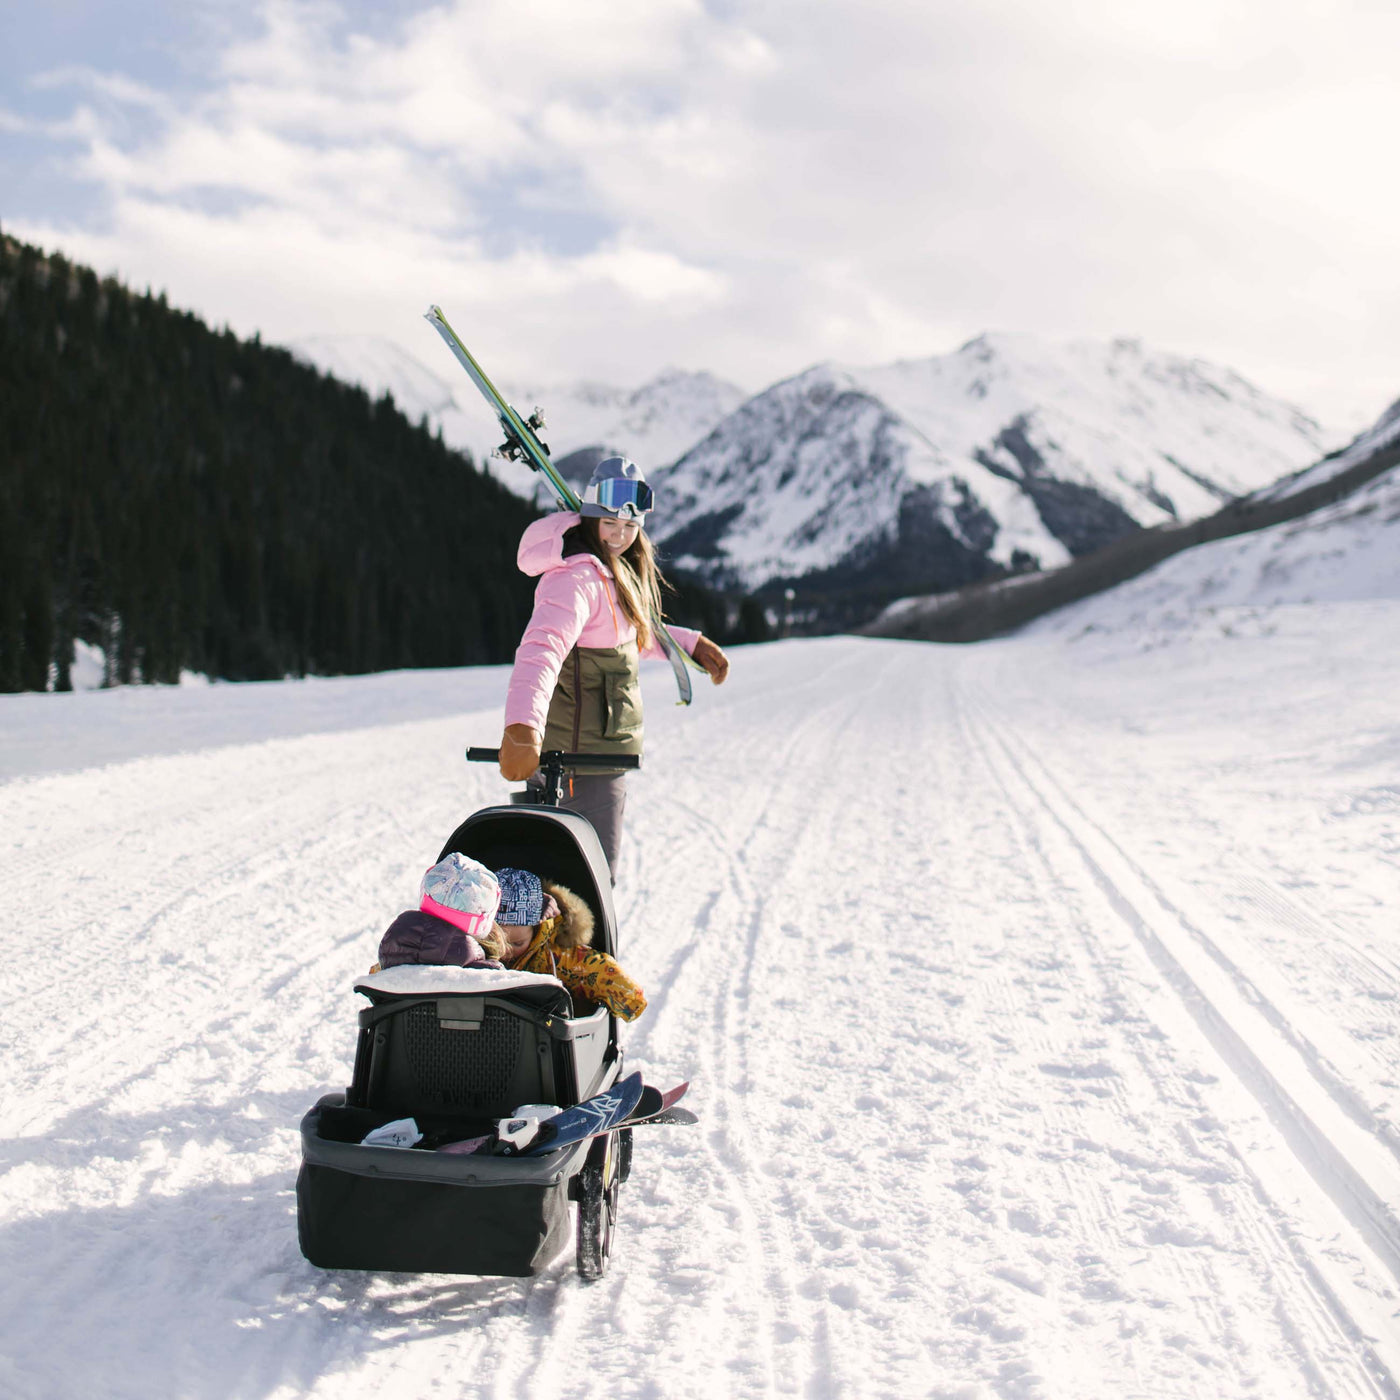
x=703 y=994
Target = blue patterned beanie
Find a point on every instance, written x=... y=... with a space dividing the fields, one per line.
x=522 y=897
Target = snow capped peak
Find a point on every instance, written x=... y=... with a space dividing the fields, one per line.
x=1011 y=449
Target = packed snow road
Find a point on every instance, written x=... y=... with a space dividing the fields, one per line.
x=1039 y=1000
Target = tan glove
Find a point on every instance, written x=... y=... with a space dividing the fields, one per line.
x=520 y=752
x=712 y=659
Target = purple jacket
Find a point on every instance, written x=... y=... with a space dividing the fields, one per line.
x=419 y=937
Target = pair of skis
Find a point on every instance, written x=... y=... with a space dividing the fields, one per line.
x=629 y=1103
x=523 y=442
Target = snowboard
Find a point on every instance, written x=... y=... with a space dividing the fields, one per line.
x=523 y=441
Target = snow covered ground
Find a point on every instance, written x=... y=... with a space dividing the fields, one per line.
x=1040 y=1000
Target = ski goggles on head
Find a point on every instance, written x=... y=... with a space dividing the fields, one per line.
x=622 y=495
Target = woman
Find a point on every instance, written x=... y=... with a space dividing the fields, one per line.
x=575 y=684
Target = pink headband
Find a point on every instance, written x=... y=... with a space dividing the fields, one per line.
x=474 y=924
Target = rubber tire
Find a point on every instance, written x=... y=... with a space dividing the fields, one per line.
x=624 y=1154
x=597 y=1212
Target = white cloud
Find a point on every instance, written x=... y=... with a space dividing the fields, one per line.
x=661 y=184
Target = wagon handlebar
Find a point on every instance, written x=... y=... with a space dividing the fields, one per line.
x=553 y=765
x=564 y=760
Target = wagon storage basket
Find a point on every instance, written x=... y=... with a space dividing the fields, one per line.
x=403 y=1210
x=455 y=1049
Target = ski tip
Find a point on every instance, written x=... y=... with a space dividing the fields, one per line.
x=667 y=1118
x=433 y=313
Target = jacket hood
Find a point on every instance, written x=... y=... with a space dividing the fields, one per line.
x=576 y=926
x=419 y=937
x=542 y=545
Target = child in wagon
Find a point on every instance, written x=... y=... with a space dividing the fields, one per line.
x=547 y=928
x=469 y=917
x=453 y=925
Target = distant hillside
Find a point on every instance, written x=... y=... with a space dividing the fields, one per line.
x=653 y=424
x=187 y=500
x=1329 y=531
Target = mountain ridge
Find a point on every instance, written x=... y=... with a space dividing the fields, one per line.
x=1012 y=453
x=1283 y=540
x=1022 y=451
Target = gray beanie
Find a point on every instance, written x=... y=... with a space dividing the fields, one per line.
x=617 y=489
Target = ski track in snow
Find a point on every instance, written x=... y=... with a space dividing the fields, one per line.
x=1039 y=1008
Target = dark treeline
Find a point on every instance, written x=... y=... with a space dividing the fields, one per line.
x=184 y=499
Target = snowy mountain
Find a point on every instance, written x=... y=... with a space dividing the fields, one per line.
x=1012 y=451
x=653 y=424
x=1331 y=531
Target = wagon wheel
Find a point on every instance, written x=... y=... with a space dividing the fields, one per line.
x=599 y=1183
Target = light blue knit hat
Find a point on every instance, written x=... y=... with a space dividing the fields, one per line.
x=462 y=891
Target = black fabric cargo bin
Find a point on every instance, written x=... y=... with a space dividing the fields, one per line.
x=411 y=1211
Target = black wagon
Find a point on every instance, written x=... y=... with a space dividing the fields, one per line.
x=456 y=1049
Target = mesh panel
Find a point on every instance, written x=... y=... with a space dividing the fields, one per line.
x=461 y=1069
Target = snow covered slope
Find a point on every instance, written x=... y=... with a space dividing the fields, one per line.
x=653 y=425
x=1010 y=450
x=1039 y=1003
x=1348 y=551
x=1327 y=531
x=1383 y=434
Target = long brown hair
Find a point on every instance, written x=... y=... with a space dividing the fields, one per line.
x=635 y=571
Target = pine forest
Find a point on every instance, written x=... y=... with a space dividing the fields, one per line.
x=186 y=500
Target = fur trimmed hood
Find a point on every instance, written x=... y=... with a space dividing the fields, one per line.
x=575 y=928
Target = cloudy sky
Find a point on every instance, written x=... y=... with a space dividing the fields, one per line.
x=605 y=189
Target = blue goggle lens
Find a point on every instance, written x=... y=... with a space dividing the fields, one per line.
x=618 y=492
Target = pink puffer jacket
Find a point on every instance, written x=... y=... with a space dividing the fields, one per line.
x=575 y=605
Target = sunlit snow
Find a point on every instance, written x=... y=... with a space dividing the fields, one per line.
x=1039 y=1000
